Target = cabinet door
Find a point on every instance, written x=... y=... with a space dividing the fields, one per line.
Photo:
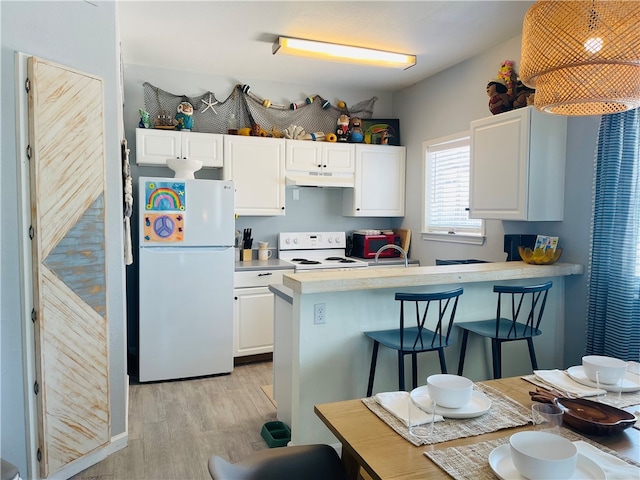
x=256 y=165
x=517 y=166
x=206 y=147
x=154 y=147
x=338 y=158
x=379 y=183
x=253 y=321
x=499 y=163
x=303 y=156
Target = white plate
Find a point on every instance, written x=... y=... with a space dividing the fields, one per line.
x=501 y=464
x=629 y=382
x=479 y=404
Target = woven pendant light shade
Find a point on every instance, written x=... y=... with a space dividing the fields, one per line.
x=582 y=57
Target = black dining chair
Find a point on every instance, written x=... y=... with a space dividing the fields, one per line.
x=527 y=305
x=415 y=337
x=309 y=462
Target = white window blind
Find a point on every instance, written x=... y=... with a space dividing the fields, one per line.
x=447 y=189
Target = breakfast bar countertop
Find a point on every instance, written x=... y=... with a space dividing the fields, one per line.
x=394 y=277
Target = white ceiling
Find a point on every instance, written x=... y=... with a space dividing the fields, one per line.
x=234 y=38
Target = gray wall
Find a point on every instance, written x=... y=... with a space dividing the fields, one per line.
x=445 y=104
x=82 y=36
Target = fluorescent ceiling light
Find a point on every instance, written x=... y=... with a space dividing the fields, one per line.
x=344 y=53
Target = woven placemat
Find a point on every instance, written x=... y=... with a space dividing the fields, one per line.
x=471 y=462
x=627 y=399
x=504 y=413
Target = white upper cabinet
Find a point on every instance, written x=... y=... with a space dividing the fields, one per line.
x=379 y=187
x=517 y=166
x=154 y=147
x=320 y=163
x=256 y=165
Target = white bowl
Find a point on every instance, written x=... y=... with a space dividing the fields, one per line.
x=184 y=167
x=610 y=369
x=543 y=455
x=450 y=391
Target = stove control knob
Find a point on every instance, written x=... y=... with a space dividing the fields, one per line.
x=287 y=241
x=295 y=240
x=338 y=240
x=330 y=240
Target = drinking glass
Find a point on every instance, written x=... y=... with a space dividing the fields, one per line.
x=421 y=408
x=546 y=417
x=614 y=398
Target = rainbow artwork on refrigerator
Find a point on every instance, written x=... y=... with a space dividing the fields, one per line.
x=165 y=196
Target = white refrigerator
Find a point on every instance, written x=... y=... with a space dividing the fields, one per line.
x=186 y=255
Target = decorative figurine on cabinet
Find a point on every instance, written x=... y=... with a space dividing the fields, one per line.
x=524 y=95
x=498 y=98
x=145 y=119
x=355 y=127
x=510 y=77
x=184 y=117
x=342 y=131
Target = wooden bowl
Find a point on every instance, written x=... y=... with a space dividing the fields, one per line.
x=587 y=416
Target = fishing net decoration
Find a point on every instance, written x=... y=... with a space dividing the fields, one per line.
x=210 y=115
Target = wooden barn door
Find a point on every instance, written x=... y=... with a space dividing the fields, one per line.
x=67 y=183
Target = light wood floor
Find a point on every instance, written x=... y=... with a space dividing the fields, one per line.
x=174 y=427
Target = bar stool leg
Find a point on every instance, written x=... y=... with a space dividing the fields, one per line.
x=463 y=351
x=372 y=370
x=532 y=354
x=443 y=361
x=400 y=370
x=414 y=370
x=496 y=346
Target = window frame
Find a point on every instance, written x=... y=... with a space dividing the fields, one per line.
x=454 y=233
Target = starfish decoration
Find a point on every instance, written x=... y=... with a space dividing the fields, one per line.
x=209 y=105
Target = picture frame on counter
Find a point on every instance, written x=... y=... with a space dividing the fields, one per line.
x=381 y=131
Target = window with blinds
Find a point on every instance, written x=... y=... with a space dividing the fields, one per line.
x=446 y=199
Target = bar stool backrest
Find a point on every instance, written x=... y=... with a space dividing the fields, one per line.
x=527 y=305
x=447 y=305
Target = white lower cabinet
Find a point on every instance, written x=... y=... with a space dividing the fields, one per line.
x=379 y=183
x=253 y=306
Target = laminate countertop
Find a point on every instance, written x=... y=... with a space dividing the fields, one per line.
x=394 y=277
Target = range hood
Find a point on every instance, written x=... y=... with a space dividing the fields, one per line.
x=319 y=181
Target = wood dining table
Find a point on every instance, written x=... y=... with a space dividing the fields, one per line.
x=370 y=448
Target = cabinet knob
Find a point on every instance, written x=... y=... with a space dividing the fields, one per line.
x=235 y=298
x=282 y=208
x=324 y=166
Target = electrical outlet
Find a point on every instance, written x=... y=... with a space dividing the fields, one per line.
x=319 y=313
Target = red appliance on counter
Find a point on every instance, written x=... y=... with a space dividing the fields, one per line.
x=366 y=246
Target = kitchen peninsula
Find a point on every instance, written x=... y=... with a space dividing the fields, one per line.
x=326 y=358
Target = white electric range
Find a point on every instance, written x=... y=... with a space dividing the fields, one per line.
x=313 y=251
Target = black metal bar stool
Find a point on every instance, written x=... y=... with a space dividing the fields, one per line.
x=501 y=329
x=413 y=338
